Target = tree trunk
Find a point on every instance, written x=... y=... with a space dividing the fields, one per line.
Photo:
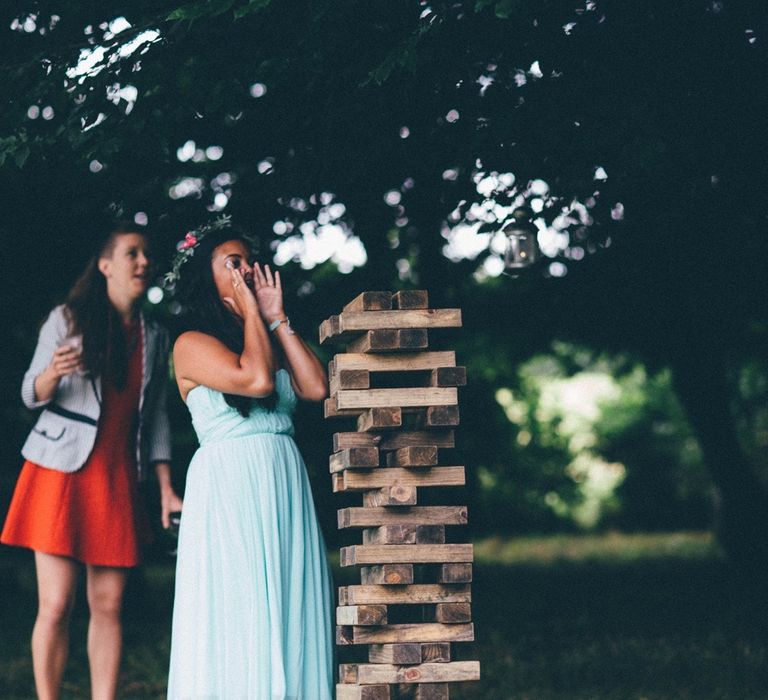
x=742 y=519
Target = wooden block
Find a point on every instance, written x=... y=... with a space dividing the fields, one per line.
x=396 y=495
x=437 y=652
x=350 y=379
x=411 y=299
x=451 y=613
x=401 y=362
x=373 y=517
x=430 y=691
x=394 y=440
x=370 y=301
x=368 y=480
x=448 y=376
x=329 y=329
x=430 y=534
x=390 y=341
x=387 y=574
x=403 y=634
x=362 y=692
x=454 y=671
x=354 y=458
x=379 y=419
x=362 y=615
x=439 y=416
x=455 y=573
x=417 y=456
x=390 y=534
x=406 y=553
x=387 y=398
x=357 y=321
x=395 y=653
x=415 y=594
x=331 y=410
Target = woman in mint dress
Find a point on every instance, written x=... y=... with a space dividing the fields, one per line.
x=252 y=613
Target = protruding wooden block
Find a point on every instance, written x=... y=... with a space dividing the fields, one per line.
x=403 y=634
x=440 y=416
x=369 y=480
x=430 y=515
x=436 y=652
x=411 y=299
x=455 y=573
x=417 y=456
x=423 y=673
x=451 y=613
x=414 y=594
x=387 y=496
x=395 y=654
x=390 y=340
x=387 y=574
x=448 y=376
x=401 y=362
x=361 y=615
x=345 y=379
x=362 y=692
x=431 y=691
x=379 y=419
x=350 y=322
x=354 y=458
x=370 y=301
x=406 y=553
x=390 y=534
x=329 y=328
x=388 y=398
x=394 y=440
x=430 y=534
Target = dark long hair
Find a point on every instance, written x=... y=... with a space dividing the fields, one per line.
x=90 y=313
x=203 y=310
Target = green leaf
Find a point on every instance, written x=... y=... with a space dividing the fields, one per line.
x=20 y=156
x=252 y=7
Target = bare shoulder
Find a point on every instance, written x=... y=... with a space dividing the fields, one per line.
x=195 y=340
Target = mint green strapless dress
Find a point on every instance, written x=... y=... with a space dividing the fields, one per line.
x=252 y=617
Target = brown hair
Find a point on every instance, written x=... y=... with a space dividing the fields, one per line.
x=90 y=313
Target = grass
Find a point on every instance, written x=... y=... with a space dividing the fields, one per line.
x=609 y=617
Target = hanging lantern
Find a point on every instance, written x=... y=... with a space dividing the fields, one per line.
x=522 y=248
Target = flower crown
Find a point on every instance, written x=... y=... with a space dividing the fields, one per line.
x=185 y=248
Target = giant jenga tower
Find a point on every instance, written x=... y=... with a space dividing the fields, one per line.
x=414 y=596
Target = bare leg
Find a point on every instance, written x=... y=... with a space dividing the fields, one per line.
x=105 y=635
x=56 y=584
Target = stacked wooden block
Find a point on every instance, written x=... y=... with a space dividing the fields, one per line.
x=414 y=596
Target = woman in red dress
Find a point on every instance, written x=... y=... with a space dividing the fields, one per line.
x=99 y=372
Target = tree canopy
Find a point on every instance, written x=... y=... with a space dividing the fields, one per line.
x=403 y=133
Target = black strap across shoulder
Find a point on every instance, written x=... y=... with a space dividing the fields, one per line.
x=59 y=411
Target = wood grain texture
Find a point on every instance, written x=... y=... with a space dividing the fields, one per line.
x=398 y=495
x=453 y=671
x=428 y=515
x=353 y=458
x=405 y=554
x=361 y=615
x=394 y=440
x=411 y=299
x=384 y=476
x=370 y=301
x=393 y=398
x=400 y=634
x=414 y=594
x=387 y=574
x=395 y=363
x=413 y=456
x=362 y=692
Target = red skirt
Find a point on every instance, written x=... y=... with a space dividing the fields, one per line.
x=93 y=515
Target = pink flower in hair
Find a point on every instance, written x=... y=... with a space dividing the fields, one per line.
x=190 y=241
